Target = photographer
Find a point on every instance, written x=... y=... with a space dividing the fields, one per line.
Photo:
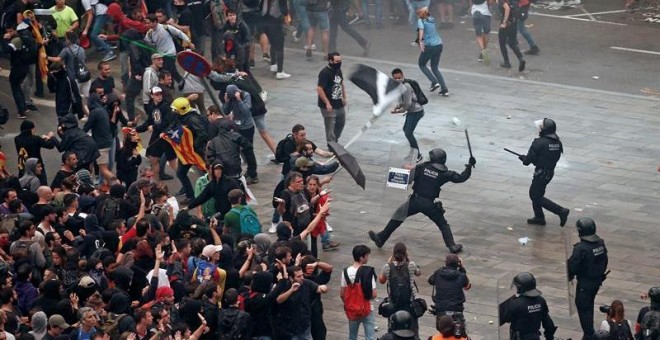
x=449 y=283
x=647 y=315
x=447 y=328
x=615 y=323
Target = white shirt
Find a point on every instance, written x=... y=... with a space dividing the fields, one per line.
x=97 y=7
x=483 y=8
x=605 y=326
x=10 y=336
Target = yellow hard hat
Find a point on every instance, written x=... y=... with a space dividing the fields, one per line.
x=181 y=105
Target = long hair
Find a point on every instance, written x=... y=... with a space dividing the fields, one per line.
x=616 y=311
x=400 y=252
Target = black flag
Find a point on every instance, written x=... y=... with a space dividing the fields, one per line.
x=382 y=89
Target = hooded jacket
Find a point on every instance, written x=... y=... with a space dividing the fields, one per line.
x=241 y=109
x=120 y=302
x=77 y=141
x=93 y=237
x=27 y=295
x=67 y=96
x=29 y=145
x=98 y=122
x=260 y=302
x=29 y=181
x=39 y=325
x=217 y=188
x=226 y=147
x=50 y=297
x=448 y=283
x=234 y=318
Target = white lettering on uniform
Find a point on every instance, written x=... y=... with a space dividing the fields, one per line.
x=430 y=173
x=534 y=308
x=554 y=147
x=599 y=251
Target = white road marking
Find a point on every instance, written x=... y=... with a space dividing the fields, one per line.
x=579 y=19
x=587 y=13
x=634 y=50
x=597 y=13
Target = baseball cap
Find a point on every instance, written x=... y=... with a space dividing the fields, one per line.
x=156 y=89
x=58 y=321
x=209 y=250
x=86 y=282
x=156 y=56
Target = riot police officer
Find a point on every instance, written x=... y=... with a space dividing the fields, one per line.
x=588 y=262
x=526 y=311
x=401 y=326
x=544 y=153
x=428 y=177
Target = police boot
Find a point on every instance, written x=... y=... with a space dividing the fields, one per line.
x=536 y=221
x=374 y=237
x=563 y=217
x=456 y=248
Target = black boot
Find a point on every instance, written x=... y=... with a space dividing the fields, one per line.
x=563 y=217
x=374 y=237
x=456 y=248
x=536 y=221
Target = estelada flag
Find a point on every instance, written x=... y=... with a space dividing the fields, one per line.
x=181 y=139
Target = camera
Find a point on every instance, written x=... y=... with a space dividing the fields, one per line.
x=604 y=309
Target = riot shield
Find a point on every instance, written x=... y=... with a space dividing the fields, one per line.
x=570 y=238
x=505 y=291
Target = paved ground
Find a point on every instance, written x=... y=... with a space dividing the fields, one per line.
x=608 y=170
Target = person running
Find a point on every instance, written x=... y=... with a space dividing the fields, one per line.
x=430 y=45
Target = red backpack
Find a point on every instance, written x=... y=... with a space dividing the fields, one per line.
x=356 y=305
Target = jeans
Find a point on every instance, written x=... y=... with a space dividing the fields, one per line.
x=97 y=26
x=378 y=14
x=16 y=79
x=412 y=118
x=369 y=324
x=525 y=33
x=509 y=36
x=338 y=19
x=217 y=47
x=169 y=63
x=182 y=175
x=334 y=122
x=433 y=54
x=28 y=83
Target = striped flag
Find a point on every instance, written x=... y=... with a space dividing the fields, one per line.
x=181 y=139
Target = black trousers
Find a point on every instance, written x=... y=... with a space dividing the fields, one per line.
x=585 y=294
x=415 y=205
x=16 y=78
x=274 y=29
x=537 y=194
x=338 y=19
x=509 y=36
x=248 y=153
x=169 y=63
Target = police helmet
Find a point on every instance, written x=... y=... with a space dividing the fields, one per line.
x=401 y=324
x=526 y=284
x=654 y=294
x=181 y=105
x=586 y=228
x=548 y=126
x=603 y=335
x=438 y=157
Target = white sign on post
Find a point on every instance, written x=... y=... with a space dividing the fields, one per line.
x=398 y=178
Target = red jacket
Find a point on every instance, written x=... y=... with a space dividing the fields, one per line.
x=125 y=23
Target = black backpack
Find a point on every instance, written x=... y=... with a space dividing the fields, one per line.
x=650 y=325
x=420 y=97
x=399 y=288
x=109 y=211
x=280 y=152
x=621 y=330
x=239 y=324
x=29 y=51
x=81 y=70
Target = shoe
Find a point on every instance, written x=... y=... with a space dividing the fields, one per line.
x=534 y=50
x=308 y=47
x=521 y=66
x=273 y=228
x=486 y=57
x=31 y=107
x=296 y=38
x=332 y=245
x=536 y=221
x=165 y=177
x=251 y=180
x=444 y=92
x=22 y=115
x=480 y=58
x=557 y=4
x=365 y=49
x=456 y=248
x=419 y=157
x=263 y=95
x=273 y=68
x=563 y=217
x=356 y=21
x=328 y=227
x=110 y=56
x=282 y=75
x=414 y=44
x=266 y=57
x=505 y=65
x=252 y=63
x=434 y=87
x=308 y=53
x=376 y=239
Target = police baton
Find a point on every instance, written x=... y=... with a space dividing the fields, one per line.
x=467 y=137
x=513 y=152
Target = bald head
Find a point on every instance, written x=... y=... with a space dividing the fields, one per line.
x=45 y=193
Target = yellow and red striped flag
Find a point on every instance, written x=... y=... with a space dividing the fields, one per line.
x=181 y=139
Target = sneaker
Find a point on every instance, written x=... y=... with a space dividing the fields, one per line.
x=414 y=44
x=165 y=177
x=273 y=228
x=365 y=50
x=273 y=68
x=505 y=65
x=563 y=217
x=521 y=66
x=266 y=57
x=313 y=47
x=444 y=92
x=110 y=56
x=486 y=57
x=21 y=115
x=480 y=58
x=282 y=75
x=332 y=245
x=263 y=95
x=328 y=227
x=536 y=221
x=376 y=239
x=308 y=53
x=534 y=50
x=419 y=157
x=296 y=38
x=434 y=87
x=31 y=107
x=456 y=248
x=251 y=180
x=354 y=20
x=252 y=63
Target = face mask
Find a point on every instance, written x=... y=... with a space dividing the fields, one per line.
x=335 y=66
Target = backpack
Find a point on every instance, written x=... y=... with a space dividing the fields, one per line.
x=110 y=211
x=420 y=97
x=280 y=152
x=29 y=51
x=111 y=325
x=620 y=331
x=9 y=222
x=519 y=9
x=399 y=288
x=21 y=250
x=218 y=17
x=237 y=327
x=248 y=220
x=650 y=326
x=4 y=115
x=356 y=305
x=79 y=68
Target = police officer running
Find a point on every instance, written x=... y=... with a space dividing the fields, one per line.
x=588 y=262
x=401 y=327
x=544 y=153
x=428 y=177
x=526 y=311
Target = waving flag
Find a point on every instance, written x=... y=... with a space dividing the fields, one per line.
x=181 y=139
x=382 y=89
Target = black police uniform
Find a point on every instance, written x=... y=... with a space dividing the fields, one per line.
x=428 y=178
x=392 y=336
x=526 y=315
x=544 y=153
x=588 y=262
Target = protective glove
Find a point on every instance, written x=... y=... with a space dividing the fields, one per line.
x=472 y=161
x=521 y=158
